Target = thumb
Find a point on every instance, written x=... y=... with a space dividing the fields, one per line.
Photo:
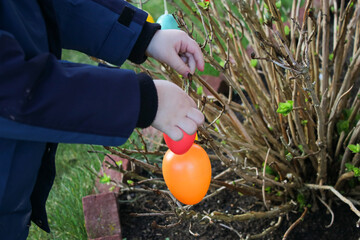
x=189 y=60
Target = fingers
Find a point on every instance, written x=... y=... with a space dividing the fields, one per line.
x=189 y=52
x=176 y=111
x=170 y=46
x=196 y=116
x=195 y=51
x=190 y=101
x=175 y=133
x=188 y=125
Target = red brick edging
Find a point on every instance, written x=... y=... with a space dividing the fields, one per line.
x=102 y=220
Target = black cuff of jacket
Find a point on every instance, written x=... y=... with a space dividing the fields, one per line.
x=148 y=101
x=137 y=54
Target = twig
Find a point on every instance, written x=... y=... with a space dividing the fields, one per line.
x=150 y=180
x=331 y=212
x=263 y=182
x=356 y=202
x=136 y=161
x=142 y=139
x=139 y=151
x=223 y=173
x=253 y=215
x=155 y=225
x=347 y=153
x=202 y=18
x=339 y=195
x=337 y=103
x=342 y=178
x=266 y=231
x=130 y=151
x=246 y=190
x=307 y=155
x=230 y=228
x=174 y=199
x=217 y=118
x=192 y=233
x=295 y=224
x=325 y=46
x=216 y=192
x=250 y=168
x=151 y=214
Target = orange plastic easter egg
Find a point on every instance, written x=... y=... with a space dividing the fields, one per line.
x=181 y=146
x=188 y=175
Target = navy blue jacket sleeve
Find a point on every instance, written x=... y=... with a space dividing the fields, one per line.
x=70 y=102
x=44 y=99
x=106 y=29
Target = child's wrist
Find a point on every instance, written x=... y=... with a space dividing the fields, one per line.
x=148 y=101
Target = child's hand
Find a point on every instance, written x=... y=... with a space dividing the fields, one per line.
x=177 y=49
x=175 y=110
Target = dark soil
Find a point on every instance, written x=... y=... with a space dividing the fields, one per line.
x=147 y=227
x=312 y=227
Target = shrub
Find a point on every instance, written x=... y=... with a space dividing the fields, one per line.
x=289 y=124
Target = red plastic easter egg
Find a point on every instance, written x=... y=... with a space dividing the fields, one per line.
x=181 y=146
x=188 y=175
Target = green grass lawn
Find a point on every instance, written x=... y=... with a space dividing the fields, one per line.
x=73 y=181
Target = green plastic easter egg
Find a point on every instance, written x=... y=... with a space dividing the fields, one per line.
x=167 y=21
